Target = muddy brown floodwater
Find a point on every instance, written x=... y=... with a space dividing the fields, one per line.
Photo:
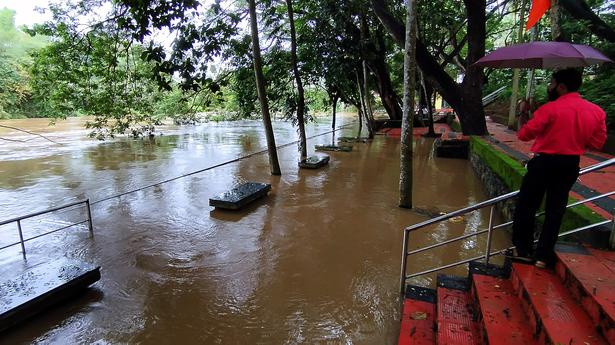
x=315 y=262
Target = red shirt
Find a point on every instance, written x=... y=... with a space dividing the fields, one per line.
x=566 y=126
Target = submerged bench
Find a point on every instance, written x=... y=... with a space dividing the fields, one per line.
x=334 y=148
x=314 y=162
x=240 y=196
x=41 y=287
x=452 y=145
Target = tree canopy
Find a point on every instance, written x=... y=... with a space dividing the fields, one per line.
x=129 y=63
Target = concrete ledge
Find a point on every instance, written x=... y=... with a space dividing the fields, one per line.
x=42 y=287
x=334 y=148
x=314 y=162
x=240 y=196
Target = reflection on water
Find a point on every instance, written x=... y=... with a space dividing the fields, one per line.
x=317 y=261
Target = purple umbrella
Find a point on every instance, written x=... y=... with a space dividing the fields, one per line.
x=543 y=55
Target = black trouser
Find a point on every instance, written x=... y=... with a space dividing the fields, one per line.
x=553 y=175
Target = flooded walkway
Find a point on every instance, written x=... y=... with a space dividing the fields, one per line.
x=317 y=261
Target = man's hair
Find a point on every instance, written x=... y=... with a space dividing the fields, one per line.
x=570 y=77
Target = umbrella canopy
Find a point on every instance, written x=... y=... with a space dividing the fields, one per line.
x=543 y=55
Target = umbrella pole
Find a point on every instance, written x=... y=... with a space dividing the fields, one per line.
x=512 y=121
x=529 y=94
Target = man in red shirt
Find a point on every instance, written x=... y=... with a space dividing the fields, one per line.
x=563 y=128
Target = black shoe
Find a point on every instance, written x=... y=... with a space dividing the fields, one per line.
x=513 y=255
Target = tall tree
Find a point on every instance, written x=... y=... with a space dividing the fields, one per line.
x=466 y=98
x=274 y=165
x=405 y=171
x=300 y=92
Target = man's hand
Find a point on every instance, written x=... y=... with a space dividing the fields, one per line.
x=523 y=119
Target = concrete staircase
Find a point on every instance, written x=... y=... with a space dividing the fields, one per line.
x=574 y=304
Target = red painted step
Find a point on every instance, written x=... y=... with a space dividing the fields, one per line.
x=503 y=319
x=456 y=325
x=558 y=318
x=592 y=284
x=417 y=323
x=607 y=258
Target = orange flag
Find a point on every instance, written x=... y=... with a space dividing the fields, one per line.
x=539 y=7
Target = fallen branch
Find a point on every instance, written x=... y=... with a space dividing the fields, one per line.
x=31 y=133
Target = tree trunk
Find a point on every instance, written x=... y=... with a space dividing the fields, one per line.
x=512 y=120
x=300 y=93
x=334 y=102
x=378 y=66
x=556 y=28
x=529 y=93
x=369 y=115
x=360 y=122
x=363 y=110
x=426 y=96
x=262 y=94
x=405 y=173
x=472 y=123
x=334 y=97
x=472 y=85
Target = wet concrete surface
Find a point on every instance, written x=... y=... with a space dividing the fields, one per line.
x=317 y=261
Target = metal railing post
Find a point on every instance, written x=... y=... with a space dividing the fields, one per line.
x=612 y=238
x=489 y=233
x=23 y=246
x=90 y=226
x=404 y=262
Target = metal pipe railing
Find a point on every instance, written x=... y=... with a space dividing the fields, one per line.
x=497 y=252
x=30 y=215
x=18 y=220
x=491 y=202
x=503 y=225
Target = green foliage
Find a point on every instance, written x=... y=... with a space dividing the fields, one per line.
x=318 y=99
x=95 y=73
x=14 y=88
x=600 y=91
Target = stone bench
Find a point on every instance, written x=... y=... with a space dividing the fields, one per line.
x=334 y=148
x=314 y=162
x=240 y=196
x=41 y=287
x=452 y=145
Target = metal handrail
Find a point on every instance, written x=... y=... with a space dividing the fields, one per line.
x=480 y=232
x=491 y=202
x=18 y=220
x=459 y=263
x=497 y=199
